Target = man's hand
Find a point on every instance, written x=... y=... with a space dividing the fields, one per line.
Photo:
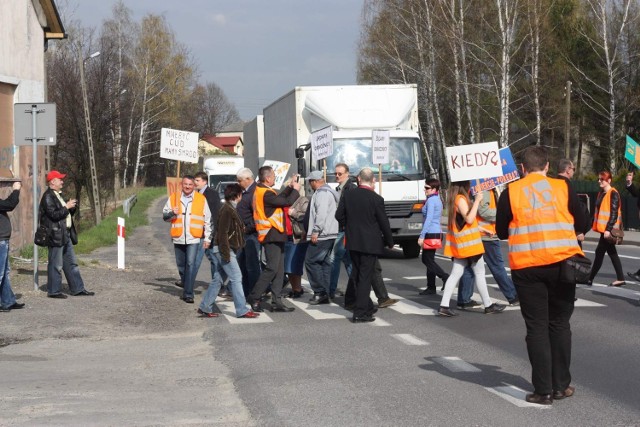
x=71 y=204
x=314 y=238
x=629 y=178
x=206 y=244
x=17 y=186
x=176 y=211
x=295 y=185
x=580 y=237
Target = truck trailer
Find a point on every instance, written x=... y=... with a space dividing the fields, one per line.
x=353 y=112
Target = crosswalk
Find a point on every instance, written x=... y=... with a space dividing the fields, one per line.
x=404 y=306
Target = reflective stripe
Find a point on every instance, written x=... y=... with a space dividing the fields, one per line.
x=535 y=228
x=465 y=244
x=545 y=244
x=192 y=225
x=199 y=217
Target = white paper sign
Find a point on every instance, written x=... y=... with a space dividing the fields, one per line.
x=280 y=169
x=179 y=145
x=322 y=143
x=474 y=161
x=380 y=147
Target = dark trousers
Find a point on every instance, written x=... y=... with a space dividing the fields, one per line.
x=377 y=284
x=609 y=248
x=433 y=269
x=546 y=305
x=249 y=261
x=273 y=273
x=362 y=273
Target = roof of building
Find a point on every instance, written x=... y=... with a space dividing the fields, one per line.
x=54 y=28
x=226 y=143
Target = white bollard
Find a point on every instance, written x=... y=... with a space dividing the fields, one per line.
x=121 y=234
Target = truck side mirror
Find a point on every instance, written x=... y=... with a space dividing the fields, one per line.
x=299 y=152
x=302 y=166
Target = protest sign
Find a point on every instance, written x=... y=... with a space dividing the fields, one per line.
x=473 y=161
x=280 y=169
x=322 y=143
x=179 y=145
x=174 y=185
x=380 y=147
x=509 y=173
x=632 y=152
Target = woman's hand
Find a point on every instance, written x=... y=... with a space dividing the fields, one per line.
x=420 y=242
x=607 y=234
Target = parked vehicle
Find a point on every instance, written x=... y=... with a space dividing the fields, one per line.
x=354 y=112
x=222 y=168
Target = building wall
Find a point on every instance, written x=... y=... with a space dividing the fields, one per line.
x=22 y=79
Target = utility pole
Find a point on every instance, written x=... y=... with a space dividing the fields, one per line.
x=87 y=119
x=567 y=119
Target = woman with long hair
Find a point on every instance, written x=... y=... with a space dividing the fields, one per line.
x=607 y=216
x=431 y=213
x=464 y=245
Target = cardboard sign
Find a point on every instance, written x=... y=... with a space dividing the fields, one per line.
x=509 y=173
x=380 y=147
x=179 y=145
x=281 y=169
x=174 y=185
x=322 y=143
x=473 y=161
x=632 y=152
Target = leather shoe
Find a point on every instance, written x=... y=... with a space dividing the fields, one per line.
x=281 y=308
x=17 y=306
x=59 y=296
x=539 y=399
x=363 y=319
x=179 y=283
x=634 y=276
x=320 y=299
x=249 y=315
x=387 y=302
x=429 y=291
x=446 y=312
x=188 y=300
x=568 y=392
x=4 y=309
x=205 y=314
x=84 y=292
x=256 y=307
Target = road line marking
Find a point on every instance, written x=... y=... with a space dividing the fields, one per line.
x=514 y=395
x=228 y=310
x=619 y=255
x=380 y=322
x=322 y=311
x=409 y=339
x=620 y=292
x=455 y=364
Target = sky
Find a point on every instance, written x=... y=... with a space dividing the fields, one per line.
x=255 y=50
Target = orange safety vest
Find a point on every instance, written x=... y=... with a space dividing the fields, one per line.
x=541 y=231
x=264 y=223
x=196 y=217
x=464 y=243
x=603 y=214
x=485 y=224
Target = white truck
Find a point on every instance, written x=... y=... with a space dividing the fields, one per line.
x=354 y=112
x=222 y=168
x=253 y=138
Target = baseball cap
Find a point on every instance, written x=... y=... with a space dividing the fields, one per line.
x=315 y=175
x=55 y=174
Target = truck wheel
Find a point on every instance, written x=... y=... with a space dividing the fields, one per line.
x=410 y=249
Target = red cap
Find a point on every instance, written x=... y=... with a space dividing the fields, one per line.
x=55 y=174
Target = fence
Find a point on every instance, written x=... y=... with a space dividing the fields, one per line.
x=128 y=204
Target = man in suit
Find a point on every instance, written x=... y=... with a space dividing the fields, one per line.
x=367 y=231
x=249 y=255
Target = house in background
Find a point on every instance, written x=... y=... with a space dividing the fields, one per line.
x=211 y=145
x=26 y=27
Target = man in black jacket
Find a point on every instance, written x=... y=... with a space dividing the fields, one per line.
x=7 y=298
x=213 y=200
x=367 y=231
x=57 y=216
x=582 y=225
x=249 y=255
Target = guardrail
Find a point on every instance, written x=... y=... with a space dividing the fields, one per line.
x=128 y=204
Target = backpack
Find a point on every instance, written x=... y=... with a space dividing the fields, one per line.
x=299 y=208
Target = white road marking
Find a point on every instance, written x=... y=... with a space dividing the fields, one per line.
x=379 y=322
x=515 y=395
x=228 y=310
x=620 y=292
x=409 y=339
x=455 y=364
x=322 y=311
x=619 y=255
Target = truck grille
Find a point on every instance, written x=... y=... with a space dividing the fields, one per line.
x=398 y=210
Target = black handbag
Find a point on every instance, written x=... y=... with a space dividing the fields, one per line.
x=575 y=269
x=41 y=237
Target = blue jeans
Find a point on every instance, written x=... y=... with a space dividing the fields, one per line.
x=61 y=259
x=318 y=263
x=7 y=298
x=232 y=270
x=493 y=259
x=339 y=254
x=186 y=262
x=249 y=261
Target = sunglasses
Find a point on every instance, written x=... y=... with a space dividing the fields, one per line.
x=427 y=188
x=340 y=173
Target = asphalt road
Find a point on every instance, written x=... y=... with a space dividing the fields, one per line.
x=313 y=367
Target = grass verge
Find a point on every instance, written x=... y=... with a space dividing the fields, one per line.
x=104 y=234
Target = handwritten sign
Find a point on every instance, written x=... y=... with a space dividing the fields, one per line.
x=473 y=161
x=380 y=147
x=179 y=145
x=632 y=152
x=322 y=143
x=174 y=185
x=509 y=173
x=280 y=169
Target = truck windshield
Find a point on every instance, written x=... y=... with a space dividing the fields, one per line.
x=405 y=158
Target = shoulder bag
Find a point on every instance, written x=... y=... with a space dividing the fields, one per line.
x=41 y=237
x=430 y=244
x=616 y=236
x=575 y=269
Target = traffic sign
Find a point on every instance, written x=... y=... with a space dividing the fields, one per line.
x=45 y=123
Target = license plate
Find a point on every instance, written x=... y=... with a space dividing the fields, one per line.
x=414 y=226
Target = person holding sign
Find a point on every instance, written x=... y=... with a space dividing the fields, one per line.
x=464 y=245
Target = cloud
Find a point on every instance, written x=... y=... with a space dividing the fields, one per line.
x=219 y=19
